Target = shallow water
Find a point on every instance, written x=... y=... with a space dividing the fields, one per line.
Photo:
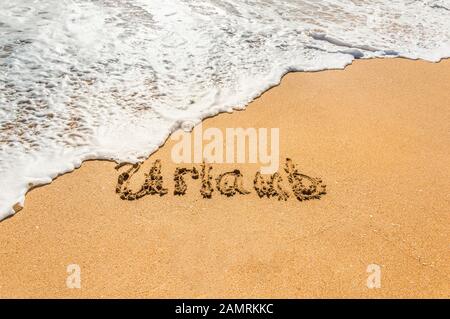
x=111 y=79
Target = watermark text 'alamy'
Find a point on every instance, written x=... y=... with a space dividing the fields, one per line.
x=210 y=145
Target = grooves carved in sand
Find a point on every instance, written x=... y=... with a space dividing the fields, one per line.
x=302 y=186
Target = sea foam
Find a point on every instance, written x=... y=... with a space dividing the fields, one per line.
x=111 y=79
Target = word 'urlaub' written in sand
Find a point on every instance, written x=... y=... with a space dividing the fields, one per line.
x=230 y=183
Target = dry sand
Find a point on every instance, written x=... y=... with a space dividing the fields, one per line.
x=377 y=133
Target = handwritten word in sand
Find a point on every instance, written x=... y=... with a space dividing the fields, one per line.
x=301 y=186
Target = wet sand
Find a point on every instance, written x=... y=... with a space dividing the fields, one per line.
x=377 y=133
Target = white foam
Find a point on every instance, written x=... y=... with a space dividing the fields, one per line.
x=110 y=79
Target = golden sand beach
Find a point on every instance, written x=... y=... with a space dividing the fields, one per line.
x=376 y=133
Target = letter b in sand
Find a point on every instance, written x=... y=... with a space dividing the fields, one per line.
x=74 y=278
x=374 y=279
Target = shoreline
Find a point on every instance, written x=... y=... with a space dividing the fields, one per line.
x=174 y=249
x=18 y=206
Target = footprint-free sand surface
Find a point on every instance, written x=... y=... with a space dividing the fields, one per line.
x=376 y=133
